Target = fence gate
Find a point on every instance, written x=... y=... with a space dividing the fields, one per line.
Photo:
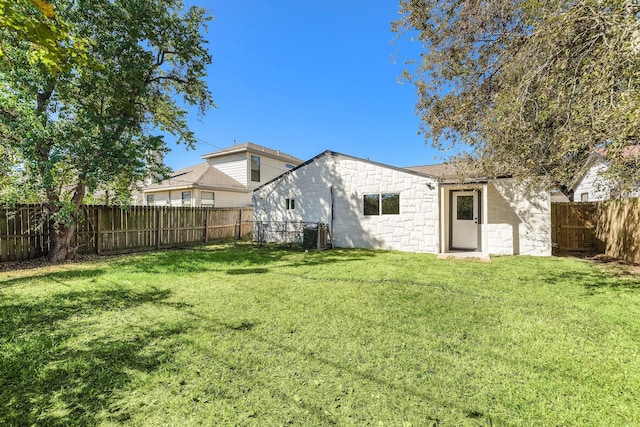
x=573 y=226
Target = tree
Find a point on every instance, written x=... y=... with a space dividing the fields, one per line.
x=92 y=126
x=36 y=21
x=529 y=87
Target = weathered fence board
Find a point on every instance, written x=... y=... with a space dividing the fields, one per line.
x=618 y=226
x=573 y=226
x=113 y=229
x=611 y=227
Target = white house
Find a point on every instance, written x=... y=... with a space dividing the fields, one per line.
x=227 y=179
x=423 y=209
x=592 y=186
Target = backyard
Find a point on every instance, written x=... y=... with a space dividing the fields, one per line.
x=255 y=336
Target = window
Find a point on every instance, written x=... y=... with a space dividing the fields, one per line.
x=151 y=199
x=372 y=204
x=291 y=204
x=186 y=198
x=207 y=199
x=584 y=197
x=390 y=204
x=382 y=204
x=464 y=207
x=255 y=168
x=288 y=166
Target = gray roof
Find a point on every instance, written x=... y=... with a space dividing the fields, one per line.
x=202 y=176
x=256 y=149
x=451 y=172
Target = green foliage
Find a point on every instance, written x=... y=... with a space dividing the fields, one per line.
x=531 y=87
x=250 y=336
x=86 y=128
x=36 y=22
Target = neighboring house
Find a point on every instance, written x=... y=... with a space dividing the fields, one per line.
x=591 y=186
x=227 y=179
x=421 y=209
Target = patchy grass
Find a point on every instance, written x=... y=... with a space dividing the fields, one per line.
x=250 y=336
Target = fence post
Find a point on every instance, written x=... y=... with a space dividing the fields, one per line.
x=206 y=225
x=99 y=230
x=158 y=214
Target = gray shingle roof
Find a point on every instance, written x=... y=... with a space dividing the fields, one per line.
x=450 y=172
x=202 y=175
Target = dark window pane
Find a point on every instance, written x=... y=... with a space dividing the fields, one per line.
x=390 y=204
x=464 y=207
x=290 y=204
x=255 y=168
x=372 y=204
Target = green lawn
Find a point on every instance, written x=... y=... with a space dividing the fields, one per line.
x=250 y=336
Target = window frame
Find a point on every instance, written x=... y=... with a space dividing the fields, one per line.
x=150 y=198
x=377 y=206
x=255 y=172
x=396 y=206
x=213 y=199
x=184 y=201
x=290 y=204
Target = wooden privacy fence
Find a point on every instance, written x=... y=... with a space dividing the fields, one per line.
x=618 y=226
x=113 y=229
x=611 y=227
x=573 y=226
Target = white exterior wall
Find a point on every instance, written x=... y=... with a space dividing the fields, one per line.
x=269 y=169
x=238 y=167
x=223 y=199
x=229 y=199
x=519 y=222
x=415 y=229
x=234 y=165
x=592 y=184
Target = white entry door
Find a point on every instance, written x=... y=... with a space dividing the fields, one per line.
x=464 y=220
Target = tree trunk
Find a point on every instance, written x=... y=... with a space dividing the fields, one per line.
x=63 y=245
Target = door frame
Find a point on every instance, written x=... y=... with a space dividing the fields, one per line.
x=478 y=195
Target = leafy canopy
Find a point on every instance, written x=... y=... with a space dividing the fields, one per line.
x=98 y=125
x=36 y=21
x=92 y=126
x=530 y=87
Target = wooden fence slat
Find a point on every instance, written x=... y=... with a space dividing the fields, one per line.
x=24 y=232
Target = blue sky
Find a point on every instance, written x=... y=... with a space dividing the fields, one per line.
x=308 y=76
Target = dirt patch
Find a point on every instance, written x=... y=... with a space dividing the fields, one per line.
x=616 y=266
x=613 y=265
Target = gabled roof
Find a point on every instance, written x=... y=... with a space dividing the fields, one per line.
x=201 y=176
x=599 y=155
x=446 y=173
x=255 y=149
x=436 y=172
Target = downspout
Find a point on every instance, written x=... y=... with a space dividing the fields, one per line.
x=331 y=218
x=442 y=220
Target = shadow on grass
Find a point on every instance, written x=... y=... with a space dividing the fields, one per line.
x=239 y=271
x=592 y=278
x=235 y=259
x=202 y=260
x=46 y=379
x=61 y=276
